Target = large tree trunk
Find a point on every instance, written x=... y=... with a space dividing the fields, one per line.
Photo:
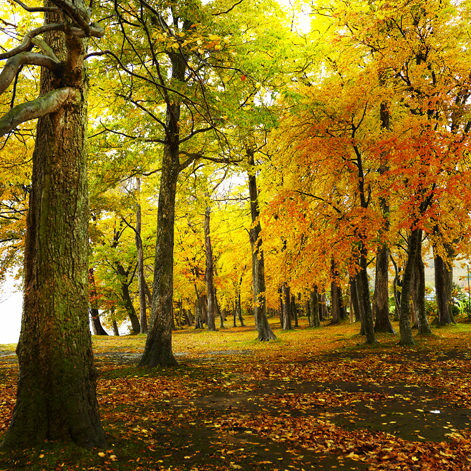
x=265 y=332
x=381 y=294
x=209 y=274
x=140 y=262
x=56 y=397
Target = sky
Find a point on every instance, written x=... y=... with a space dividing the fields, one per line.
x=11 y=302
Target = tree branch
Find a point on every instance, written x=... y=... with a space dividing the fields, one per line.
x=27 y=43
x=14 y=64
x=43 y=105
x=34 y=9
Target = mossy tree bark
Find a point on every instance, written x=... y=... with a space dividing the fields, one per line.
x=56 y=397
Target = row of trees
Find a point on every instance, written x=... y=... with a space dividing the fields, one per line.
x=235 y=158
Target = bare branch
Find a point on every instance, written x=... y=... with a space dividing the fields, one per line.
x=27 y=43
x=43 y=105
x=34 y=9
x=14 y=64
x=229 y=10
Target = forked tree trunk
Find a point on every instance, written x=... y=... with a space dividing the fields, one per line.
x=97 y=327
x=56 y=397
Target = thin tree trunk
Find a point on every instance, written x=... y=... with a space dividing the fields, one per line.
x=314 y=304
x=209 y=274
x=443 y=285
x=287 y=325
x=364 y=298
x=413 y=246
x=265 y=332
x=127 y=300
x=423 y=324
x=354 y=299
x=94 y=311
x=158 y=348
x=381 y=294
x=140 y=262
x=56 y=398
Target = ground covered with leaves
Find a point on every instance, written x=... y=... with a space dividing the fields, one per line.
x=313 y=399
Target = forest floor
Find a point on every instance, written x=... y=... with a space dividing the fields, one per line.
x=313 y=399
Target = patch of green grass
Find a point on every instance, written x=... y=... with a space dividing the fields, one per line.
x=10 y=347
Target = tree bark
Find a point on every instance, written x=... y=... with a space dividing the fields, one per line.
x=423 y=324
x=56 y=398
x=287 y=312
x=209 y=274
x=413 y=246
x=314 y=320
x=443 y=286
x=94 y=312
x=158 y=349
x=364 y=298
x=140 y=262
x=265 y=332
x=127 y=300
x=381 y=294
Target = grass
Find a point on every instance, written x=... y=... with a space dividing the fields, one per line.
x=313 y=399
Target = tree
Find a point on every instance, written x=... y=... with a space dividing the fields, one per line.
x=56 y=397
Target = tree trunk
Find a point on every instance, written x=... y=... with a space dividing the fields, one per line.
x=423 y=324
x=294 y=311
x=115 y=328
x=140 y=262
x=443 y=285
x=314 y=306
x=413 y=247
x=287 y=311
x=265 y=332
x=97 y=328
x=158 y=349
x=364 y=298
x=381 y=295
x=127 y=300
x=209 y=274
x=354 y=299
x=337 y=309
x=56 y=397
